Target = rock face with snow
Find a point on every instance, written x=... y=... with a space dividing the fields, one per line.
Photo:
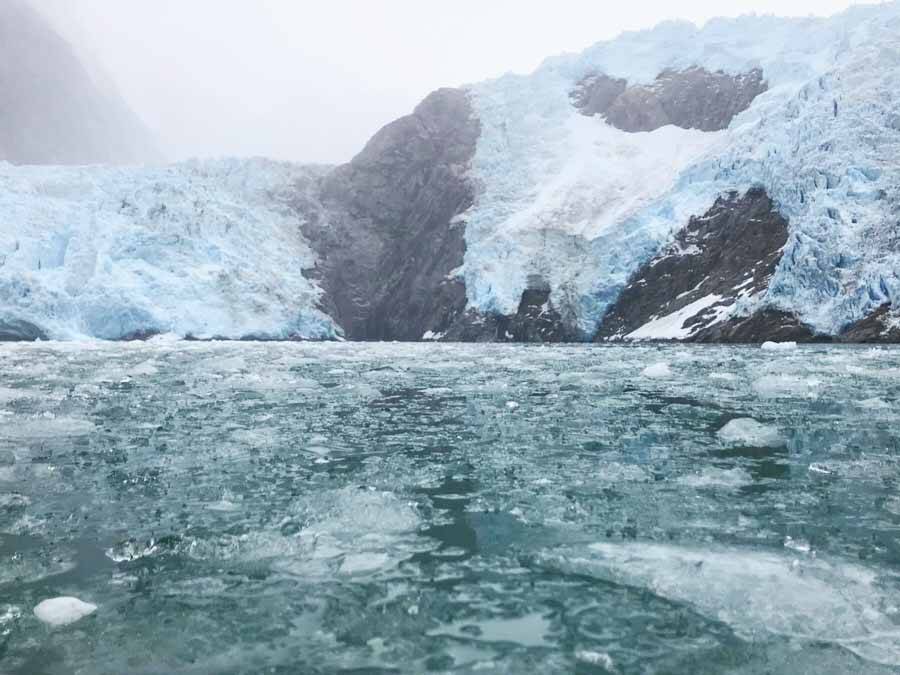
x=717 y=261
x=731 y=183
x=52 y=109
x=880 y=326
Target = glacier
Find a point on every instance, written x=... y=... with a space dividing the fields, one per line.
x=585 y=205
x=215 y=249
x=206 y=249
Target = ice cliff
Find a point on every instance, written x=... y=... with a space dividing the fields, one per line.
x=204 y=249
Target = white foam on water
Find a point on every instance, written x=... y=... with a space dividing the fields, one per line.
x=750 y=433
x=758 y=593
x=63 y=611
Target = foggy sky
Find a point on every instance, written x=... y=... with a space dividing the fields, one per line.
x=312 y=80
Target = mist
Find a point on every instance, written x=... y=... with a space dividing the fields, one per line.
x=312 y=82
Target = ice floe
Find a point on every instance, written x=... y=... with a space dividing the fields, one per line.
x=63 y=611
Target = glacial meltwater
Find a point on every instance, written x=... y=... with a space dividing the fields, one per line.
x=381 y=508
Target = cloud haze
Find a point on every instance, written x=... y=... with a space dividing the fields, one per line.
x=312 y=81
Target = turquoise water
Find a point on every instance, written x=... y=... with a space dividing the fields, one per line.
x=320 y=508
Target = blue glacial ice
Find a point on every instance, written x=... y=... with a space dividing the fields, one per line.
x=207 y=249
x=585 y=205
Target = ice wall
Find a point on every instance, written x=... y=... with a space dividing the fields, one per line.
x=207 y=249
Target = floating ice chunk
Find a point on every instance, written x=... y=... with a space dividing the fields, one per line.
x=657 y=371
x=821 y=469
x=874 y=404
x=63 y=611
x=799 y=545
x=774 y=386
x=750 y=433
x=717 y=478
x=46 y=427
x=759 y=594
x=779 y=346
x=592 y=658
x=437 y=391
x=131 y=550
x=365 y=563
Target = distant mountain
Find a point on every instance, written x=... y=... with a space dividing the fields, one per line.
x=52 y=111
x=732 y=183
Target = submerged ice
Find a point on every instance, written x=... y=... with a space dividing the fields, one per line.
x=759 y=594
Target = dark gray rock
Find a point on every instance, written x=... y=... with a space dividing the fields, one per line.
x=878 y=327
x=52 y=110
x=691 y=99
x=763 y=326
x=537 y=320
x=16 y=330
x=595 y=94
x=386 y=234
x=731 y=251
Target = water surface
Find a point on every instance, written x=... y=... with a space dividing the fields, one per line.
x=320 y=508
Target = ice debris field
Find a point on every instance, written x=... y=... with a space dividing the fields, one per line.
x=220 y=507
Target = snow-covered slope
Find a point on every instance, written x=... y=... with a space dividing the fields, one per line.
x=586 y=205
x=202 y=249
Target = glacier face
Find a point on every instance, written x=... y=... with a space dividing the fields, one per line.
x=203 y=249
x=585 y=205
x=561 y=200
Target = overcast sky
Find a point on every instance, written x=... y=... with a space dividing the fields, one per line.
x=312 y=80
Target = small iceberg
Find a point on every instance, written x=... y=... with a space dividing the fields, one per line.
x=657 y=371
x=750 y=433
x=63 y=611
x=779 y=346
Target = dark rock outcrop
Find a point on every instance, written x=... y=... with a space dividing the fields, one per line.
x=765 y=325
x=16 y=330
x=596 y=93
x=879 y=327
x=52 y=111
x=537 y=320
x=691 y=99
x=729 y=253
x=387 y=236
